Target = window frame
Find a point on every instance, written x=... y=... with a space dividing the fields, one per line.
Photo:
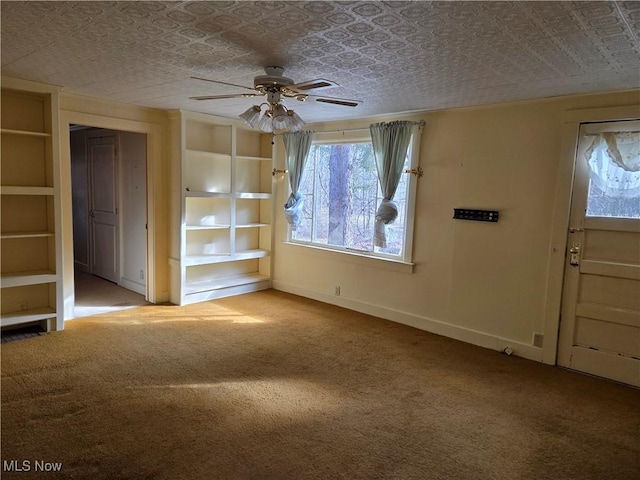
x=363 y=135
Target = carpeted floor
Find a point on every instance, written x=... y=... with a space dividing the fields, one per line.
x=273 y=386
x=95 y=296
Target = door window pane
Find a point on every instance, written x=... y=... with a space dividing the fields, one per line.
x=614 y=190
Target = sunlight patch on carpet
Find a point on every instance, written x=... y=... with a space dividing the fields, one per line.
x=279 y=397
x=82 y=312
x=145 y=320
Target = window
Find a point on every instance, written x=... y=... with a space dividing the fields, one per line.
x=341 y=194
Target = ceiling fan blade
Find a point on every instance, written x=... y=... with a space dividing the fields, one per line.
x=222 y=83
x=313 y=85
x=337 y=101
x=233 y=95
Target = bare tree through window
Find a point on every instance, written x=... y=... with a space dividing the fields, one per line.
x=341 y=194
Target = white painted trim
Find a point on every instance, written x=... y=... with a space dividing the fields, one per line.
x=350 y=256
x=558 y=247
x=28 y=85
x=612 y=224
x=610 y=269
x=607 y=313
x=607 y=365
x=607 y=114
x=466 y=335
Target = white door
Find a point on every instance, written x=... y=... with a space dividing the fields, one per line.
x=103 y=205
x=600 y=323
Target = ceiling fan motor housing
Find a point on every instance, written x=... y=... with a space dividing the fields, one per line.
x=273 y=78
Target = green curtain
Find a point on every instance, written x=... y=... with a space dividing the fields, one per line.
x=390 y=145
x=297 y=146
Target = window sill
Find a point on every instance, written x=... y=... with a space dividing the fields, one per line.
x=353 y=257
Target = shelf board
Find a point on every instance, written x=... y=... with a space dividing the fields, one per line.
x=9 y=235
x=208 y=155
x=249 y=254
x=199 y=194
x=223 y=282
x=193 y=260
x=24 y=132
x=253 y=159
x=252 y=225
x=22 y=190
x=15 y=318
x=208 y=227
x=253 y=196
x=20 y=279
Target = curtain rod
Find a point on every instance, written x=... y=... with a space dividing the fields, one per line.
x=421 y=124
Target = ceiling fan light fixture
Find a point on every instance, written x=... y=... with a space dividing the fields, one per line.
x=276 y=117
x=280 y=118
x=265 y=123
x=295 y=122
x=251 y=116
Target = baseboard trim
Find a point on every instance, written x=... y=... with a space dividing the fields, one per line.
x=133 y=286
x=466 y=335
x=81 y=267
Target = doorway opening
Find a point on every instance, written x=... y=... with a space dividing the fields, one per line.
x=109 y=202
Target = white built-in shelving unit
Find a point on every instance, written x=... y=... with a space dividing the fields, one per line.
x=30 y=277
x=222 y=207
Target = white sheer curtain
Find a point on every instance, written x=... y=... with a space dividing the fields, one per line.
x=614 y=163
x=297 y=146
x=390 y=145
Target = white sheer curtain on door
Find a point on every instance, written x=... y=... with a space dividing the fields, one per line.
x=614 y=163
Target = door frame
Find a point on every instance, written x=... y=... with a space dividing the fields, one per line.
x=571 y=120
x=154 y=149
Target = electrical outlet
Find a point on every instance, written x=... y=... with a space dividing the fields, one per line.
x=337 y=291
x=538 y=339
x=141 y=274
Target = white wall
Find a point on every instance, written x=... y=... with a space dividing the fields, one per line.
x=80 y=199
x=133 y=201
x=485 y=283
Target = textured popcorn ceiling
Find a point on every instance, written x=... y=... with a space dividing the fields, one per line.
x=394 y=56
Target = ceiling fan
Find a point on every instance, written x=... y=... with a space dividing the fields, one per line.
x=275 y=86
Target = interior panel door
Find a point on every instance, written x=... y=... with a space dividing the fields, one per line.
x=600 y=324
x=104 y=221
